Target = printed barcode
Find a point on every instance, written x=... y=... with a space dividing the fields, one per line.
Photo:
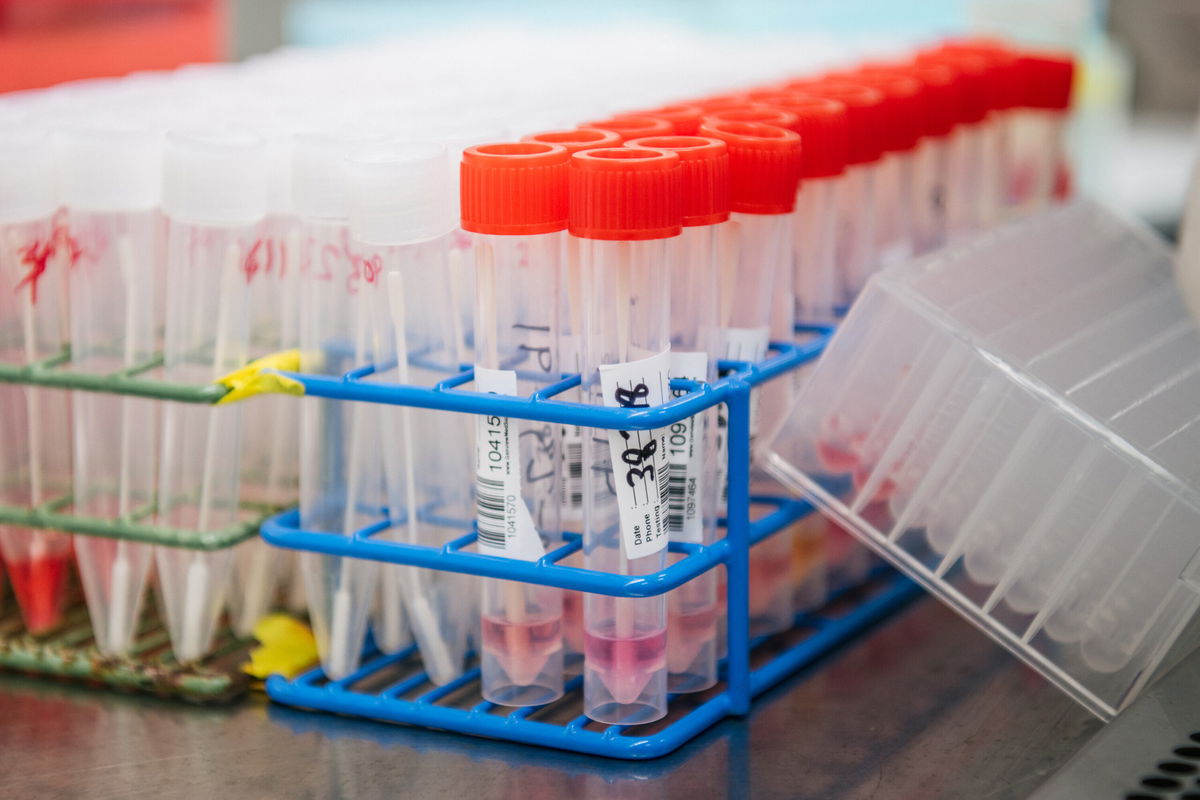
x=490 y=521
x=572 y=486
x=664 y=487
x=676 y=492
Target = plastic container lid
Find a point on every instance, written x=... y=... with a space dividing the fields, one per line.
x=26 y=175
x=1012 y=421
x=943 y=96
x=1005 y=77
x=822 y=125
x=318 y=179
x=974 y=92
x=514 y=189
x=633 y=127
x=625 y=194
x=398 y=193
x=577 y=139
x=110 y=168
x=704 y=175
x=684 y=118
x=764 y=165
x=215 y=177
x=1046 y=80
x=758 y=112
x=904 y=105
x=718 y=102
x=865 y=117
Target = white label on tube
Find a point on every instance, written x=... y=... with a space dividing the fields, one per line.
x=639 y=458
x=505 y=525
x=737 y=344
x=685 y=445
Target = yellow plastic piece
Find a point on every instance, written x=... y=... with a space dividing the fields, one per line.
x=288 y=648
x=260 y=377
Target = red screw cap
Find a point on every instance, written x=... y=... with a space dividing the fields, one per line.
x=624 y=193
x=1046 y=80
x=974 y=92
x=866 y=117
x=704 y=175
x=754 y=113
x=514 y=189
x=633 y=127
x=943 y=96
x=577 y=139
x=764 y=165
x=904 y=104
x=684 y=118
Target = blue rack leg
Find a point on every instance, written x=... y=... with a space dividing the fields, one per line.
x=737 y=663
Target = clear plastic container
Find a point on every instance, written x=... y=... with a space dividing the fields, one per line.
x=1013 y=422
x=400 y=225
x=215 y=201
x=929 y=193
x=855 y=229
x=112 y=182
x=818 y=290
x=516 y=281
x=35 y=460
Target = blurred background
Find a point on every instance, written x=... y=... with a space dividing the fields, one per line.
x=1137 y=93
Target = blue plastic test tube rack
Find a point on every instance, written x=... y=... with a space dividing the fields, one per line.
x=830 y=626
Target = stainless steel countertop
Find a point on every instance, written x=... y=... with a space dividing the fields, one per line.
x=923 y=706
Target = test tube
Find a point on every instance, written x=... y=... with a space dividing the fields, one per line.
x=341 y=460
x=570 y=326
x=214 y=198
x=942 y=90
x=400 y=224
x=965 y=149
x=757 y=303
x=625 y=211
x=822 y=126
x=693 y=609
x=270 y=453
x=112 y=182
x=895 y=173
x=865 y=119
x=514 y=203
x=1039 y=171
x=35 y=255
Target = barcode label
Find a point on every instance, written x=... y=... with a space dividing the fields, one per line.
x=505 y=526
x=639 y=458
x=489 y=507
x=572 y=472
x=685 y=451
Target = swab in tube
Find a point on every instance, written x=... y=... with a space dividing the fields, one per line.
x=112 y=185
x=214 y=199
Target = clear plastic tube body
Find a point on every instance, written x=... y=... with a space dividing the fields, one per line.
x=270 y=453
x=199 y=475
x=427 y=457
x=626 y=303
x=855 y=229
x=341 y=469
x=516 y=464
x=114 y=286
x=814 y=242
x=994 y=148
x=771 y=591
x=570 y=350
x=929 y=194
x=893 y=209
x=1037 y=159
x=692 y=609
x=964 y=172
x=35 y=460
